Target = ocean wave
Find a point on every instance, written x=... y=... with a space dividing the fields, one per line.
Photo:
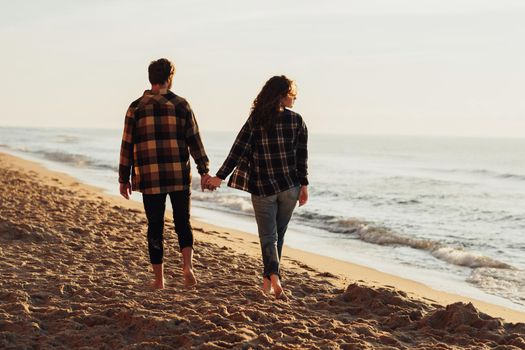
x=410 y=180
x=67 y=139
x=511 y=217
x=406 y=201
x=512 y=176
x=384 y=236
x=500 y=282
x=231 y=203
x=77 y=160
x=320 y=191
x=460 y=257
x=484 y=172
x=498 y=174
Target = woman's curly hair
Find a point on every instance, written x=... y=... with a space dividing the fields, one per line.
x=267 y=104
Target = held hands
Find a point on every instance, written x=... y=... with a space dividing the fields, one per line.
x=213 y=183
x=210 y=183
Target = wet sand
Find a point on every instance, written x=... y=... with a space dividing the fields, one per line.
x=75 y=274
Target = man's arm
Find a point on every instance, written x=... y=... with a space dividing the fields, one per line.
x=193 y=139
x=126 y=154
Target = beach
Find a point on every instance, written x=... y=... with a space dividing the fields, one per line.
x=75 y=274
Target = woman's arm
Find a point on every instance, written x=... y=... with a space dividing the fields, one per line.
x=239 y=148
x=302 y=154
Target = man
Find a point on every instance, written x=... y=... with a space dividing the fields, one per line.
x=160 y=132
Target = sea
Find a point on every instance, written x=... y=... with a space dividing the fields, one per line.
x=448 y=212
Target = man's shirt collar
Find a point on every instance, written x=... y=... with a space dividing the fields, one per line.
x=158 y=92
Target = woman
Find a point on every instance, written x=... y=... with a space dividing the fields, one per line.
x=269 y=156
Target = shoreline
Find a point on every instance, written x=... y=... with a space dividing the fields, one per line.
x=75 y=274
x=248 y=243
x=376 y=230
x=434 y=279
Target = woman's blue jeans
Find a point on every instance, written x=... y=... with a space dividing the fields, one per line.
x=273 y=214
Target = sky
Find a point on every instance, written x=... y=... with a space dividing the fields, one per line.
x=388 y=67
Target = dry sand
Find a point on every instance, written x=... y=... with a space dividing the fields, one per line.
x=74 y=274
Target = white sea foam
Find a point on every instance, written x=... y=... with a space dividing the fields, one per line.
x=453 y=255
x=232 y=203
x=384 y=236
x=460 y=257
x=76 y=160
x=508 y=283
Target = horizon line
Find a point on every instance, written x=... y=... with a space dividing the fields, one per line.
x=317 y=133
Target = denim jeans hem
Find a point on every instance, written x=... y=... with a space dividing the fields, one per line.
x=267 y=275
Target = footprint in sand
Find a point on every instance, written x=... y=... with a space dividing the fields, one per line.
x=326 y=274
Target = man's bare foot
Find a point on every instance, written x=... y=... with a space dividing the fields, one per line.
x=187 y=267
x=189 y=278
x=158 y=271
x=267 y=286
x=157 y=284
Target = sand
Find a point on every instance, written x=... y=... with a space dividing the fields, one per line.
x=75 y=273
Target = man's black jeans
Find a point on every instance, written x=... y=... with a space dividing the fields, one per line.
x=155 y=207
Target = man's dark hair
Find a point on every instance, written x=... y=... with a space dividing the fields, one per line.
x=159 y=71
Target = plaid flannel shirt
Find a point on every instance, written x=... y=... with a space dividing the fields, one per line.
x=160 y=133
x=269 y=162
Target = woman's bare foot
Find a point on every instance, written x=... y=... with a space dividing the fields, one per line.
x=267 y=286
x=281 y=296
x=189 y=278
x=277 y=288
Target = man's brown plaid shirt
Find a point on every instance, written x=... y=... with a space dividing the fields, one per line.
x=160 y=133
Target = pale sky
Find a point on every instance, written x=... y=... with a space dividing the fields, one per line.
x=402 y=67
